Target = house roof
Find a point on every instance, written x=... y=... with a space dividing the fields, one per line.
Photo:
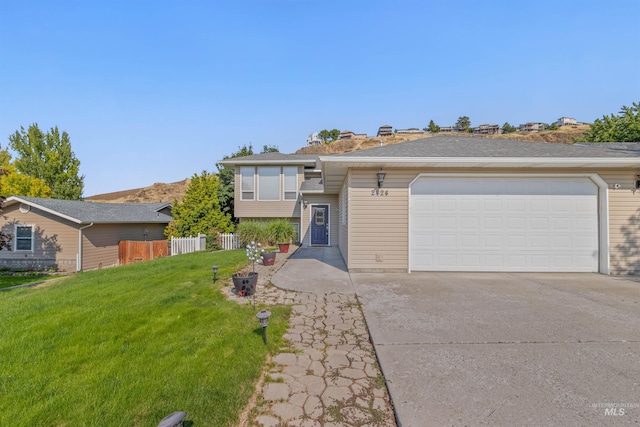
x=473 y=152
x=312 y=185
x=272 y=159
x=98 y=213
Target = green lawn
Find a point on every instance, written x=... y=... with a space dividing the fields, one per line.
x=127 y=346
x=6 y=281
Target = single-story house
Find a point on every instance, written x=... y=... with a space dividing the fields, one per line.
x=70 y=235
x=457 y=203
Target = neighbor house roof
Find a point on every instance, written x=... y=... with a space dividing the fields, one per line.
x=473 y=152
x=272 y=158
x=98 y=213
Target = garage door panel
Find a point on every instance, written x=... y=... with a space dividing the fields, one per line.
x=494 y=225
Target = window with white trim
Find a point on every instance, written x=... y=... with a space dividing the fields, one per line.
x=344 y=203
x=24 y=238
x=269 y=183
x=290 y=174
x=248 y=183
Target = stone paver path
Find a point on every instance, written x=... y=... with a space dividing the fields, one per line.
x=329 y=376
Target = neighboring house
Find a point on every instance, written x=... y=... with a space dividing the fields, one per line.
x=448 y=129
x=487 y=129
x=347 y=134
x=314 y=139
x=566 y=121
x=69 y=235
x=532 y=127
x=456 y=203
x=385 y=130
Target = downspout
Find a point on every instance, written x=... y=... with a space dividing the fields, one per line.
x=79 y=258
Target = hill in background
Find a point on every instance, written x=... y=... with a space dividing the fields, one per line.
x=160 y=192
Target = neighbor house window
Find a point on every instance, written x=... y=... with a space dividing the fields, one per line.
x=269 y=183
x=248 y=183
x=290 y=174
x=24 y=238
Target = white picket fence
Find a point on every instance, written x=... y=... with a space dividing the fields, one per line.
x=229 y=241
x=186 y=245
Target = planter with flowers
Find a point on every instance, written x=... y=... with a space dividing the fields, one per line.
x=245 y=281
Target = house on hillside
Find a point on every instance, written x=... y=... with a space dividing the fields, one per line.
x=70 y=236
x=347 y=134
x=314 y=139
x=566 y=121
x=456 y=203
x=410 y=131
x=385 y=130
x=487 y=129
x=532 y=127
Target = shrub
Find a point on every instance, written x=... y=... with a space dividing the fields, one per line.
x=280 y=231
x=252 y=231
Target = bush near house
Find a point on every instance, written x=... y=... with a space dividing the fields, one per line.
x=129 y=345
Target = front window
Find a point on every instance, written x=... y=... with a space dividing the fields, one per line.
x=290 y=182
x=268 y=183
x=24 y=238
x=248 y=183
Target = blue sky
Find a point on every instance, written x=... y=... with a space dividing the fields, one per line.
x=157 y=91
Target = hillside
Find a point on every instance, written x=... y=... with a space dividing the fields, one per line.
x=564 y=135
x=160 y=192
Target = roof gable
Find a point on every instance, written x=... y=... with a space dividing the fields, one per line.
x=98 y=213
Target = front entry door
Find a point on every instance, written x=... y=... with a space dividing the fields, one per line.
x=320 y=225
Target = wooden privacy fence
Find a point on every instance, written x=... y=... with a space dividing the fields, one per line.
x=229 y=241
x=186 y=245
x=130 y=251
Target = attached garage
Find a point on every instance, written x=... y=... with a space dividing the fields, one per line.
x=505 y=223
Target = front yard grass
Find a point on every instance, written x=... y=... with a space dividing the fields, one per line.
x=8 y=280
x=129 y=345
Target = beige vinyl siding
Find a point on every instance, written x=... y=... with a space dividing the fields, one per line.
x=55 y=240
x=378 y=225
x=320 y=199
x=266 y=209
x=100 y=241
x=624 y=222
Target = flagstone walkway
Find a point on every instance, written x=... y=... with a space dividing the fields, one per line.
x=329 y=376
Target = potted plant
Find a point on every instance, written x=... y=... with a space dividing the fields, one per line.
x=245 y=281
x=268 y=258
x=281 y=232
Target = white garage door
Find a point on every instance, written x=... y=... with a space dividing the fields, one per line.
x=504 y=224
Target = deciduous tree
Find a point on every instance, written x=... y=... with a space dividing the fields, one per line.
x=13 y=183
x=199 y=211
x=329 y=135
x=48 y=157
x=463 y=124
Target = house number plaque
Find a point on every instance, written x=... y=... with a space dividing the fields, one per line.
x=379 y=192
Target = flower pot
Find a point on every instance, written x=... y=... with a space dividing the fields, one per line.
x=245 y=286
x=284 y=247
x=269 y=258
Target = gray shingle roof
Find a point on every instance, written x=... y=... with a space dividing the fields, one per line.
x=100 y=213
x=312 y=184
x=468 y=146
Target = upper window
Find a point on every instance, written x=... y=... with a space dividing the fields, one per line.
x=24 y=238
x=248 y=183
x=290 y=174
x=269 y=183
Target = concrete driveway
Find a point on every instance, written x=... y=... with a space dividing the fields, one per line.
x=506 y=349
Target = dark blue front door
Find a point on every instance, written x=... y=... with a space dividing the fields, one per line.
x=320 y=225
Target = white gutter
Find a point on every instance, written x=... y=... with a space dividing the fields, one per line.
x=79 y=257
